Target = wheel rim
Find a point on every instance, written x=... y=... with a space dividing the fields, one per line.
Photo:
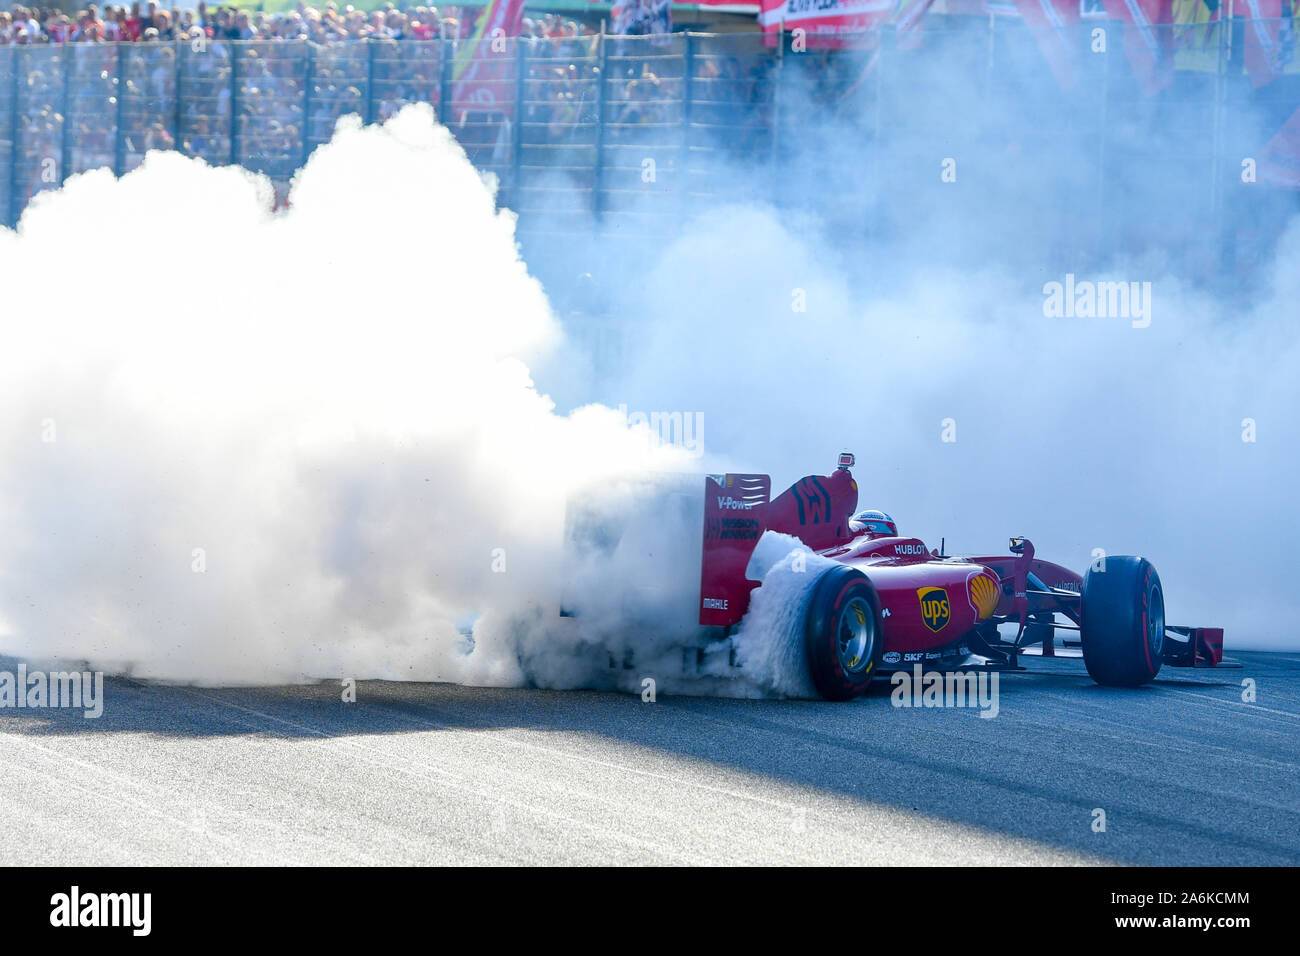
x=855 y=642
x=1156 y=623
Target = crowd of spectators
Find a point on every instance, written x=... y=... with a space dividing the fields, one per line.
x=86 y=102
x=146 y=22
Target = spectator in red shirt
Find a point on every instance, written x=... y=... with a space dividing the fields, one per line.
x=132 y=26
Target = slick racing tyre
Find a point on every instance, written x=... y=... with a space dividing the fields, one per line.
x=1123 y=633
x=842 y=633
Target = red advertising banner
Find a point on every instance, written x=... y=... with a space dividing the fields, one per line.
x=909 y=21
x=825 y=23
x=1148 y=36
x=483 y=71
x=1280 y=163
x=1054 y=25
x=1261 y=41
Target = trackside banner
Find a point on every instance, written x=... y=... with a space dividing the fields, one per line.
x=1267 y=32
x=1280 y=163
x=1263 y=46
x=826 y=23
x=1147 y=45
x=1055 y=28
x=483 y=70
x=909 y=21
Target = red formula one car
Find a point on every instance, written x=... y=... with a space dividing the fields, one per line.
x=891 y=603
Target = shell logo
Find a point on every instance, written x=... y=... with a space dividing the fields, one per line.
x=983 y=595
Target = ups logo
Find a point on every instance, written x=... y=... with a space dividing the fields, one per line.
x=935 y=609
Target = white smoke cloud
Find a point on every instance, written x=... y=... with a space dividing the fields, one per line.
x=245 y=447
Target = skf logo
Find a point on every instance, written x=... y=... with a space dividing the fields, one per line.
x=935 y=609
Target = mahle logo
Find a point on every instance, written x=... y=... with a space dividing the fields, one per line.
x=935 y=609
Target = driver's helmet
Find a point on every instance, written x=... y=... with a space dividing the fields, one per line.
x=872 y=522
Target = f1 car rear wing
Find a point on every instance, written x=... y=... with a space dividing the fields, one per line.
x=733 y=523
x=815 y=509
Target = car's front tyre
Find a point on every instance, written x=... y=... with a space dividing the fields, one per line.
x=1123 y=615
x=842 y=633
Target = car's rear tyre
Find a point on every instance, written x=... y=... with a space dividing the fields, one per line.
x=1123 y=631
x=843 y=636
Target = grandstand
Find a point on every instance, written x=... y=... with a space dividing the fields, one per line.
x=601 y=138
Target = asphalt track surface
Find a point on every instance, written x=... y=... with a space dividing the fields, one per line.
x=1186 y=772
